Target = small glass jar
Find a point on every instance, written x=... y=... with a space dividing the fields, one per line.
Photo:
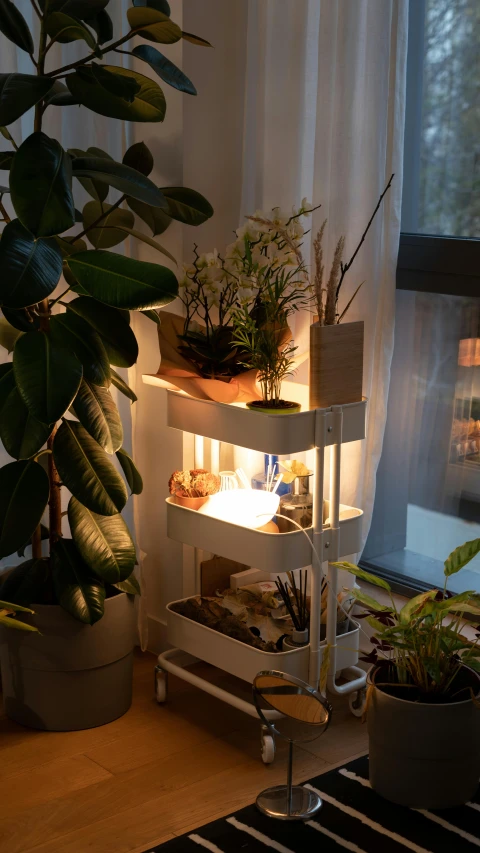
x=298 y=506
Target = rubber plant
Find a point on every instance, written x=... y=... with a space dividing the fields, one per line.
x=58 y=419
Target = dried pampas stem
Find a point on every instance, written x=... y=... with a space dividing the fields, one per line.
x=331 y=301
x=319 y=270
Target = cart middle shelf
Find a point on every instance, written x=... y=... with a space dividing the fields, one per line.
x=270 y=552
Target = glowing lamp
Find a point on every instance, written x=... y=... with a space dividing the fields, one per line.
x=248 y=507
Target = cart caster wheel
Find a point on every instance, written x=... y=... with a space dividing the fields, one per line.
x=356 y=702
x=268 y=748
x=161 y=685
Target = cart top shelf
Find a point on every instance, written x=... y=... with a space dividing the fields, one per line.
x=278 y=434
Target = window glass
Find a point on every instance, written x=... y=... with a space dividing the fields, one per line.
x=428 y=483
x=442 y=133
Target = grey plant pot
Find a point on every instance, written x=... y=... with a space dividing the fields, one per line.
x=421 y=755
x=73 y=676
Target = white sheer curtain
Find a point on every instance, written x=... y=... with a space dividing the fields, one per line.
x=306 y=98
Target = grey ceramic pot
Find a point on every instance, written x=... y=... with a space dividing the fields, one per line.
x=423 y=755
x=73 y=676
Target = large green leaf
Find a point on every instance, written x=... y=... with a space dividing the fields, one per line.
x=31 y=269
x=114 y=330
x=195 y=39
x=102 y=25
x=105 y=235
x=165 y=69
x=461 y=556
x=123 y=86
x=86 y=470
x=132 y=474
x=362 y=574
x=122 y=177
x=187 y=205
x=8 y=335
x=22 y=435
x=370 y=602
x=122 y=386
x=104 y=542
x=24 y=490
x=41 y=186
x=47 y=376
x=76 y=8
x=123 y=282
x=159 y=5
x=139 y=157
x=26 y=583
x=131 y=586
x=7 y=382
x=6 y=160
x=65 y=29
x=97 y=412
x=147 y=105
x=19 y=93
x=97 y=189
x=14 y=26
x=60 y=96
x=156 y=219
x=153 y=25
x=79 y=593
x=75 y=334
x=414 y=605
x=23 y=320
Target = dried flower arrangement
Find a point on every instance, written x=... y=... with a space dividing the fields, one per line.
x=326 y=297
x=194 y=483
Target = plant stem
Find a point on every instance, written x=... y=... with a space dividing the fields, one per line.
x=55 y=502
x=59 y=297
x=4 y=212
x=102 y=216
x=37 y=10
x=37 y=543
x=60 y=71
x=40 y=71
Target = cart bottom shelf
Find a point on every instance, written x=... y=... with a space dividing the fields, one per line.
x=245 y=661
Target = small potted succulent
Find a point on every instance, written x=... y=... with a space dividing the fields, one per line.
x=423 y=708
x=192 y=488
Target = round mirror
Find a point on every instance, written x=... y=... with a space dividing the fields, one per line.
x=305 y=712
x=300 y=714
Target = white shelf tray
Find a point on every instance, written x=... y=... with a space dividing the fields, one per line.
x=245 y=661
x=270 y=552
x=278 y=434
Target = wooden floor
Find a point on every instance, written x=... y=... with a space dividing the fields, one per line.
x=155 y=773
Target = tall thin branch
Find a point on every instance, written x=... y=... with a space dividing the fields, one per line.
x=346 y=267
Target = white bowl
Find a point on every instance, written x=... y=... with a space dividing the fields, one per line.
x=248 y=507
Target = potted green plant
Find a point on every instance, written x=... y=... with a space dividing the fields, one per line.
x=236 y=311
x=336 y=348
x=423 y=708
x=58 y=419
x=273 y=285
x=192 y=488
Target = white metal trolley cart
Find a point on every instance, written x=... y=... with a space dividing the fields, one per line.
x=336 y=532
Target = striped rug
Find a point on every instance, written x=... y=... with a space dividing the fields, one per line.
x=352 y=818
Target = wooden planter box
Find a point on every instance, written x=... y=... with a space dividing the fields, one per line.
x=336 y=364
